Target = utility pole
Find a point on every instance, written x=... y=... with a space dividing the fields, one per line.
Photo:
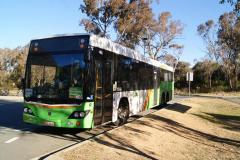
x=189 y=87
x=189 y=78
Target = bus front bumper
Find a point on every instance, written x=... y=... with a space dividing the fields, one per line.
x=69 y=123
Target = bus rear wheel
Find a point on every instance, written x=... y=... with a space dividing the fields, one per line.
x=123 y=113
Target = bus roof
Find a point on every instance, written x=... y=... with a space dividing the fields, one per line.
x=111 y=46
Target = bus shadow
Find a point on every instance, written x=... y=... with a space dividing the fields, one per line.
x=178 y=108
x=73 y=134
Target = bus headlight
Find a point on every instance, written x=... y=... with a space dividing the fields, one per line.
x=28 y=111
x=75 y=115
x=78 y=114
x=82 y=114
x=25 y=110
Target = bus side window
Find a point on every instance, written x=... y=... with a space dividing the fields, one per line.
x=141 y=76
x=166 y=76
x=123 y=70
x=161 y=75
x=170 y=76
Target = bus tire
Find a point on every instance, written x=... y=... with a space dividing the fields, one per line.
x=123 y=112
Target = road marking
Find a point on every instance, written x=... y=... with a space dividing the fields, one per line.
x=16 y=130
x=23 y=130
x=12 y=139
x=7 y=130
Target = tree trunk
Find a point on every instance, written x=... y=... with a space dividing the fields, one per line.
x=236 y=78
x=210 y=81
x=230 y=83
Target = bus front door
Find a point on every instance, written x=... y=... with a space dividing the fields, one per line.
x=98 y=111
x=103 y=92
x=107 y=94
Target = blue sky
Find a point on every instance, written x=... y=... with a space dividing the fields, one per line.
x=21 y=22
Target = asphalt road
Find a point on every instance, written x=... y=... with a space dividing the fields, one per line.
x=232 y=99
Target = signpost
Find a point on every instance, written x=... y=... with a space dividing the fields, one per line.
x=189 y=78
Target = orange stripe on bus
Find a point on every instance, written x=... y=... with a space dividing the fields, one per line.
x=47 y=106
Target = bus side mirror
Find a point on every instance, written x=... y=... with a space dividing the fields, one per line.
x=88 y=56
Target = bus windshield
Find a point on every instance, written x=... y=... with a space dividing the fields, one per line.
x=58 y=76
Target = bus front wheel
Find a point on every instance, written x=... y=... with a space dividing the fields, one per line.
x=123 y=113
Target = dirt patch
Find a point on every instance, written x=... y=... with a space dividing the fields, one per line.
x=196 y=128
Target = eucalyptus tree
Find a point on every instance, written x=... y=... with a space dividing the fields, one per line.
x=161 y=36
x=208 y=32
x=133 y=21
x=229 y=39
x=235 y=3
x=101 y=14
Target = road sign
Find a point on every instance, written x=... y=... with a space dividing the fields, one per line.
x=189 y=76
